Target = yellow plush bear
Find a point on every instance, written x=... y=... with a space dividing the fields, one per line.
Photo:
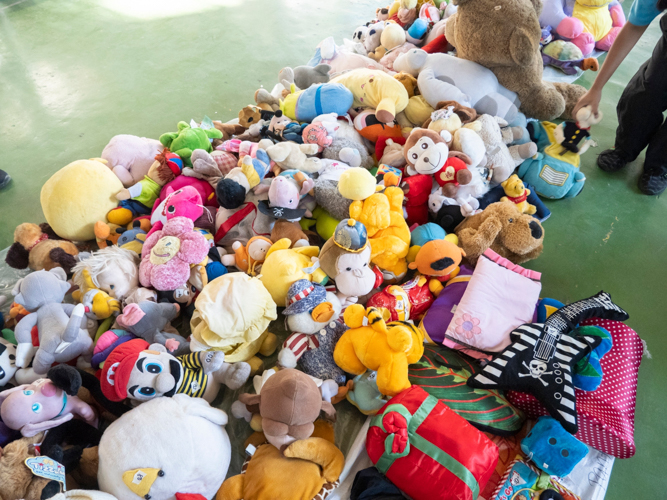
x=373 y=88
x=284 y=265
x=517 y=193
x=388 y=233
x=387 y=348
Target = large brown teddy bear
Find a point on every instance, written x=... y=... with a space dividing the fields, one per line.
x=504 y=36
x=504 y=229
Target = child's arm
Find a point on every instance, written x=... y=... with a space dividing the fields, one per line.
x=624 y=43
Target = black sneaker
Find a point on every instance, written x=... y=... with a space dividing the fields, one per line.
x=652 y=183
x=611 y=160
x=4 y=179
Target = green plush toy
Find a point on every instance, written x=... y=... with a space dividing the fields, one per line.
x=187 y=139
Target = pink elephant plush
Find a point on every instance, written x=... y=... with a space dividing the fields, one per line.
x=46 y=403
x=168 y=253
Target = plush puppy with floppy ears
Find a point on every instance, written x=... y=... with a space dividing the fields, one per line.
x=38 y=247
x=504 y=229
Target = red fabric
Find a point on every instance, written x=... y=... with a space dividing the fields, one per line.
x=448 y=173
x=235 y=218
x=417 y=188
x=120 y=362
x=438 y=44
x=607 y=415
x=520 y=198
x=381 y=143
x=417 y=474
x=189 y=496
x=419 y=297
x=34 y=336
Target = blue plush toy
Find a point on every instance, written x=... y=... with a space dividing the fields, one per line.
x=316 y=100
x=425 y=233
x=588 y=372
x=552 y=448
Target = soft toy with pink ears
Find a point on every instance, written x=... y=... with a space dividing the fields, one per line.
x=183 y=202
x=168 y=253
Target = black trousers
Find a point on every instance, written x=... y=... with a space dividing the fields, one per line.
x=640 y=110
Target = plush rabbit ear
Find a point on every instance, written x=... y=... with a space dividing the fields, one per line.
x=29 y=430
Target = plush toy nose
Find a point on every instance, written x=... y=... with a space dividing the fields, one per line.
x=358 y=273
x=535 y=230
x=164 y=383
x=323 y=312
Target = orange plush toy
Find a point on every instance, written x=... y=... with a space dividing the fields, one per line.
x=438 y=260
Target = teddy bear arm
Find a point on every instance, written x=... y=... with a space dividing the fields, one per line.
x=231 y=489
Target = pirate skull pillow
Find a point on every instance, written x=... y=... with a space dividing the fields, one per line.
x=542 y=356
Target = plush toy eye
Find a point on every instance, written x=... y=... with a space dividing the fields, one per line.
x=112 y=286
x=168 y=244
x=348 y=269
x=365 y=264
x=511 y=220
x=565 y=453
x=424 y=146
x=171 y=209
x=552 y=441
x=36 y=407
x=153 y=368
x=28 y=392
x=414 y=156
x=147 y=391
x=290 y=201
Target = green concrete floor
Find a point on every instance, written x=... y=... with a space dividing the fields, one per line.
x=73 y=74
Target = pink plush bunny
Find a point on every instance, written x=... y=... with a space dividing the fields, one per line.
x=46 y=403
x=168 y=253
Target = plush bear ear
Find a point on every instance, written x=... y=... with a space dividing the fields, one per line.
x=60 y=273
x=66 y=378
x=522 y=48
x=354 y=316
x=17 y=256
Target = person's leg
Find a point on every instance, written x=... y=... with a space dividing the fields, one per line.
x=640 y=109
x=654 y=178
x=5 y=179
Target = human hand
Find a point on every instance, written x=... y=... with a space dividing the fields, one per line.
x=591 y=98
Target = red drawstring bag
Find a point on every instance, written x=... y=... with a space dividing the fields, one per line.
x=427 y=450
x=606 y=416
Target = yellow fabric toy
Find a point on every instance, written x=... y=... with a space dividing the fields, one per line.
x=388 y=232
x=284 y=265
x=375 y=89
x=77 y=196
x=97 y=301
x=225 y=320
x=517 y=193
x=308 y=468
x=387 y=348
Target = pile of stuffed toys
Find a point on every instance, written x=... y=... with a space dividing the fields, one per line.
x=379 y=202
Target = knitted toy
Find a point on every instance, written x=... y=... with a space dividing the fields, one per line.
x=168 y=253
x=345 y=257
x=141 y=371
x=508 y=44
x=517 y=193
x=269 y=474
x=518 y=241
x=147 y=320
x=289 y=403
x=139 y=198
x=372 y=344
x=61 y=332
x=312 y=316
x=38 y=247
x=130 y=157
x=188 y=138
x=46 y=403
x=77 y=196
x=249 y=257
x=166 y=462
x=375 y=89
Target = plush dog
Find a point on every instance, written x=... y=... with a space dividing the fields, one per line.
x=372 y=344
x=503 y=228
x=38 y=247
